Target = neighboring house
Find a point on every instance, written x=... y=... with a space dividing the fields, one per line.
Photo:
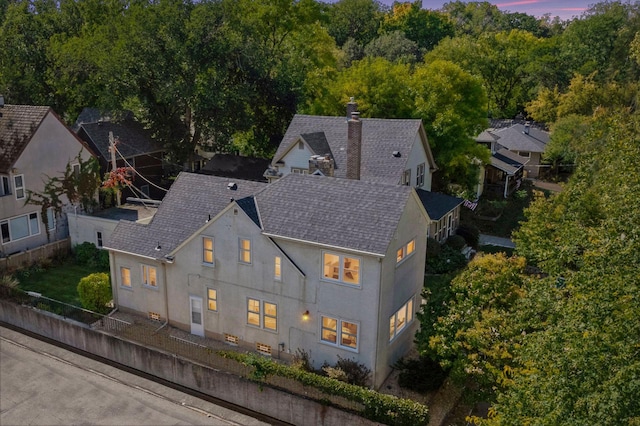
x=136 y=148
x=504 y=174
x=236 y=167
x=334 y=267
x=35 y=145
x=390 y=151
x=526 y=139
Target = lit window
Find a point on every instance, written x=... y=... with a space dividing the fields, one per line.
x=212 y=298
x=420 y=175
x=207 y=250
x=278 y=268
x=245 y=251
x=125 y=277
x=98 y=238
x=400 y=319
x=253 y=312
x=339 y=332
x=405 y=250
x=341 y=268
x=262 y=314
x=149 y=276
x=18 y=184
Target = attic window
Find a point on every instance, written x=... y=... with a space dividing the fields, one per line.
x=300 y=145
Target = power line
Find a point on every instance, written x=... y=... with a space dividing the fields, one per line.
x=136 y=172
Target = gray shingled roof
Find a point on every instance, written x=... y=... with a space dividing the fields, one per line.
x=17 y=125
x=507 y=161
x=436 y=204
x=133 y=139
x=514 y=138
x=186 y=207
x=380 y=137
x=318 y=143
x=350 y=214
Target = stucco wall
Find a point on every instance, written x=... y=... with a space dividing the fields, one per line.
x=236 y=390
x=84 y=228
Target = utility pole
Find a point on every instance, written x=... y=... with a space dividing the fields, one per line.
x=114 y=166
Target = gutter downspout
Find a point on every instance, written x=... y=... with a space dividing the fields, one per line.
x=166 y=295
x=114 y=288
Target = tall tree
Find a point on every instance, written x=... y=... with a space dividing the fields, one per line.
x=424 y=27
x=355 y=19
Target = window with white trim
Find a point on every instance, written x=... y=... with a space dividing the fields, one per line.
x=212 y=299
x=405 y=250
x=125 y=277
x=207 y=250
x=149 y=276
x=400 y=319
x=339 y=332
x=277 y=266
x=51 y=219
x=299 y=171
x=420 y=174
x=19 y=227
x=18 y=184
x=341 y=268
x=244 y=250
x=5 y=187
x=406 y=177
x=262 y=314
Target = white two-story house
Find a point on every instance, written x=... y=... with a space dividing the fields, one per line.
x=331 y=266
x=35 y=145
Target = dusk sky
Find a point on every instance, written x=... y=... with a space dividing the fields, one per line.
x=565 y=9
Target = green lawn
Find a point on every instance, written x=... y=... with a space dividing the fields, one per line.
x=57 y=282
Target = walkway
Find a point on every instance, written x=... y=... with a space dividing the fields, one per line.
x=490 y=240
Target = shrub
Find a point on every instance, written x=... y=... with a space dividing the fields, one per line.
x=449 y=260
x=94 y=291
x=88 y=254
x=433 y=247
x=9 y=281
x=470 y=233
x=421 y=374
x=301 y=360
x=456 y=242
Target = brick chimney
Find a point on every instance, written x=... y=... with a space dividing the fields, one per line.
x=324 y=163
x=352 y=107
x=354 y=146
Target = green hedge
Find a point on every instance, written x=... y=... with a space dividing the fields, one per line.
x=378 y=407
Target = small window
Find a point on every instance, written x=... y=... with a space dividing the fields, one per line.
x=149 y=276
x=406 y=250
x=125 y=277
x=277 y=268
x=270 y=316
x=207 y=250
x=18 y=184
x=300 y=145
x=420 y=175
x=98 y=238
x=253 y=312
x=299 y=171
x=406 y=177
x=212 y=299
x=245 y=251
x=5 y=189
x=34 y=223
x=51 y=219
x=145 y=190
x=4 y=230
x=400 y=319
x=339 y=332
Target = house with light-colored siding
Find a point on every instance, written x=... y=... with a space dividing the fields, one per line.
x=35 y=145
x=330 y=266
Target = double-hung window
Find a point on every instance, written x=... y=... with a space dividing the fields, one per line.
x=405 y=251
x=400 y=319
x=5 y=188
x=420 y=175
x=277 y=267
x=244 y=250
x=262 y=314
x=341 y=268
x=212 y=299
x=18 y=184
x=207 y=250
x=339 y=332
x=406 y=177
x=125 y=277
x=149 y=276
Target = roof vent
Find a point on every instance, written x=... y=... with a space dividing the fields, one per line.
x=397 y=154
x=158 y=247
x=232 y=186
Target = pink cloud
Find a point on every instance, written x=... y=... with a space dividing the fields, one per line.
x=518 y=3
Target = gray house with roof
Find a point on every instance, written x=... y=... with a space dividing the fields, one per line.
x=34 y=145
x=327 y=265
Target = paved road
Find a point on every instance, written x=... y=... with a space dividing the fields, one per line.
x=41 y=384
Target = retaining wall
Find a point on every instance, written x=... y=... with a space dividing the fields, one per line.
x=234 y=389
